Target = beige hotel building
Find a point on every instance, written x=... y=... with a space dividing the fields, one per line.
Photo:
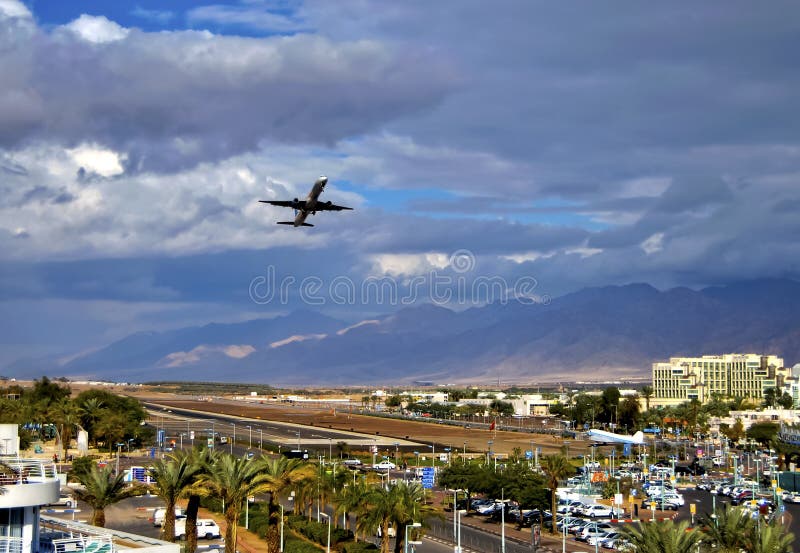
x=730 y=375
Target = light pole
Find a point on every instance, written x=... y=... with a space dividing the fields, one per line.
x=459 y=512
x=328 y=548
x=259 y=439
x=405 y=542
x=714 y=506
x=249 y=436
x=291 y=497
x=433 y=454
x=234 y=437
x=119 y=448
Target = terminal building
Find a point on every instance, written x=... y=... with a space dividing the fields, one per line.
x=730 y=375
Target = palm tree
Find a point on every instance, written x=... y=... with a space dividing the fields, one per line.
x=350 y=499
x=730 y=530
x=647 y=393
x=200 y=458
x=772 y=538
x=662 y=537
x=65 y=414
x=410 y=505
x=376 y=511
x=91 y=411
x=282 y=475
x=233 y=480
x=101 y=489
x=556 y=468
x=171 y=478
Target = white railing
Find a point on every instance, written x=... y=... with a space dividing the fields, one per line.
x=10 y=545
x=57 y=536
x=84 y=544
x=14 y=470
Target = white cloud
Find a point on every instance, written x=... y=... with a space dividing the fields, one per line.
x=295 y=339
x=97 y=29
x=653 y=244
x=180 y=358
x=98 y=160
x=14 y=9
x=398 y=264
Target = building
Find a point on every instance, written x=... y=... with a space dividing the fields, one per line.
x=730 y=375
x=28 y=485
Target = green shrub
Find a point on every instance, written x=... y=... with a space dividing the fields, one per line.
x=299 y=546
x=358 y=547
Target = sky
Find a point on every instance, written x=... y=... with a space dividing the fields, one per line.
x=555 y=144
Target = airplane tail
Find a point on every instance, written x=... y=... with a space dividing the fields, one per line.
x=292 y=223
x=638 y=437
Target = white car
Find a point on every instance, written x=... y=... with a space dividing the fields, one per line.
x=596 y=510
x=206 y=528
x=158 y=515
x=65 y=499
x=352 y=462
x=384 y=465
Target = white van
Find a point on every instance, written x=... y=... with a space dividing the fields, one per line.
x=158 y=515
x=206 y=528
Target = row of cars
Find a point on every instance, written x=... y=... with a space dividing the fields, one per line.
x=745 y=493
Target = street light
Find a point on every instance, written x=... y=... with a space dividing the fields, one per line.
x=259 y=439
x=458 y=512
x=234 y=437
x=328 y=548
x=291 y=497
x=249 y=436
x=405 y=542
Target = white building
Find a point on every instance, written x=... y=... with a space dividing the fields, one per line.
x=30 y=484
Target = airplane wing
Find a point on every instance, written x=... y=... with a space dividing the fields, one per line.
x=300 y=204
x=328 y=206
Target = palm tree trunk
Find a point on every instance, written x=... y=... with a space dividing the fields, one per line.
x=168 y=527
x=191 y=522
x=553 y=505
x=231 y=520
x=99 y=518
x=399 y=539
x=384 y=537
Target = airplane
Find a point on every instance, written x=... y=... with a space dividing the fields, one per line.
x=603 y=437
x=310 y=205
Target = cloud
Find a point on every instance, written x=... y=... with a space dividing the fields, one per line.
x=159 y=16
x=97 y=29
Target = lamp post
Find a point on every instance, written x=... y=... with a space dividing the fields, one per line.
x=459 y=512
x=433 y=454
x=234 y=437
x=291 y=497
x=260 y=441
x=249 y=436
x=405 y=541
x=119 y=448
x=714 y=506
x=328 y=548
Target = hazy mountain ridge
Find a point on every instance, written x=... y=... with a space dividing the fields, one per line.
x=599 y=331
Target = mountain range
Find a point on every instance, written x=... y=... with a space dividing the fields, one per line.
x=595 y=333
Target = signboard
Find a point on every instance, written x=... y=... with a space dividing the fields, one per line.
x=191 y=434
x=210 y=443
x=427 y=477
x=693 y=508
x=160 y=438
x=529 y=454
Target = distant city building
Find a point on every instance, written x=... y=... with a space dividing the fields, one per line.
x=730 y=375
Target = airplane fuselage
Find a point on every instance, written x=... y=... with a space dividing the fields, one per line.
x=311 y=201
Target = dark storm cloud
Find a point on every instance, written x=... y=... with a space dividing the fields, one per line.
x=172 y=99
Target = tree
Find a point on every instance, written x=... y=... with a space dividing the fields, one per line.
x=609 y=403
x=763 y=432
x=394 y=401
x=770 y=397
x=282 y=474
x=647 y=393
x=65 y=414
x=409 y=505
x=501 y=408
x=101 y=489
x=233 y=480
x=556 y=468
x=730 y=531
x=350 y=499
x=786 y=401
x=735 y=432
x=200 y=458
x=661 y=537
x=171 y=478
x=628 y=415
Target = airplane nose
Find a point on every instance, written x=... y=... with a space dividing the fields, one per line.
x=323 y=179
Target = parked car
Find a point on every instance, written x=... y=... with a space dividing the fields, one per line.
x=352 y=462
x=384 y=465
x=158 y=515
x=592 y=540
x=206 y=528
x=391 y=531
x=594 y=529
x=596 y=510
x=65 y=499
x=790 y=497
